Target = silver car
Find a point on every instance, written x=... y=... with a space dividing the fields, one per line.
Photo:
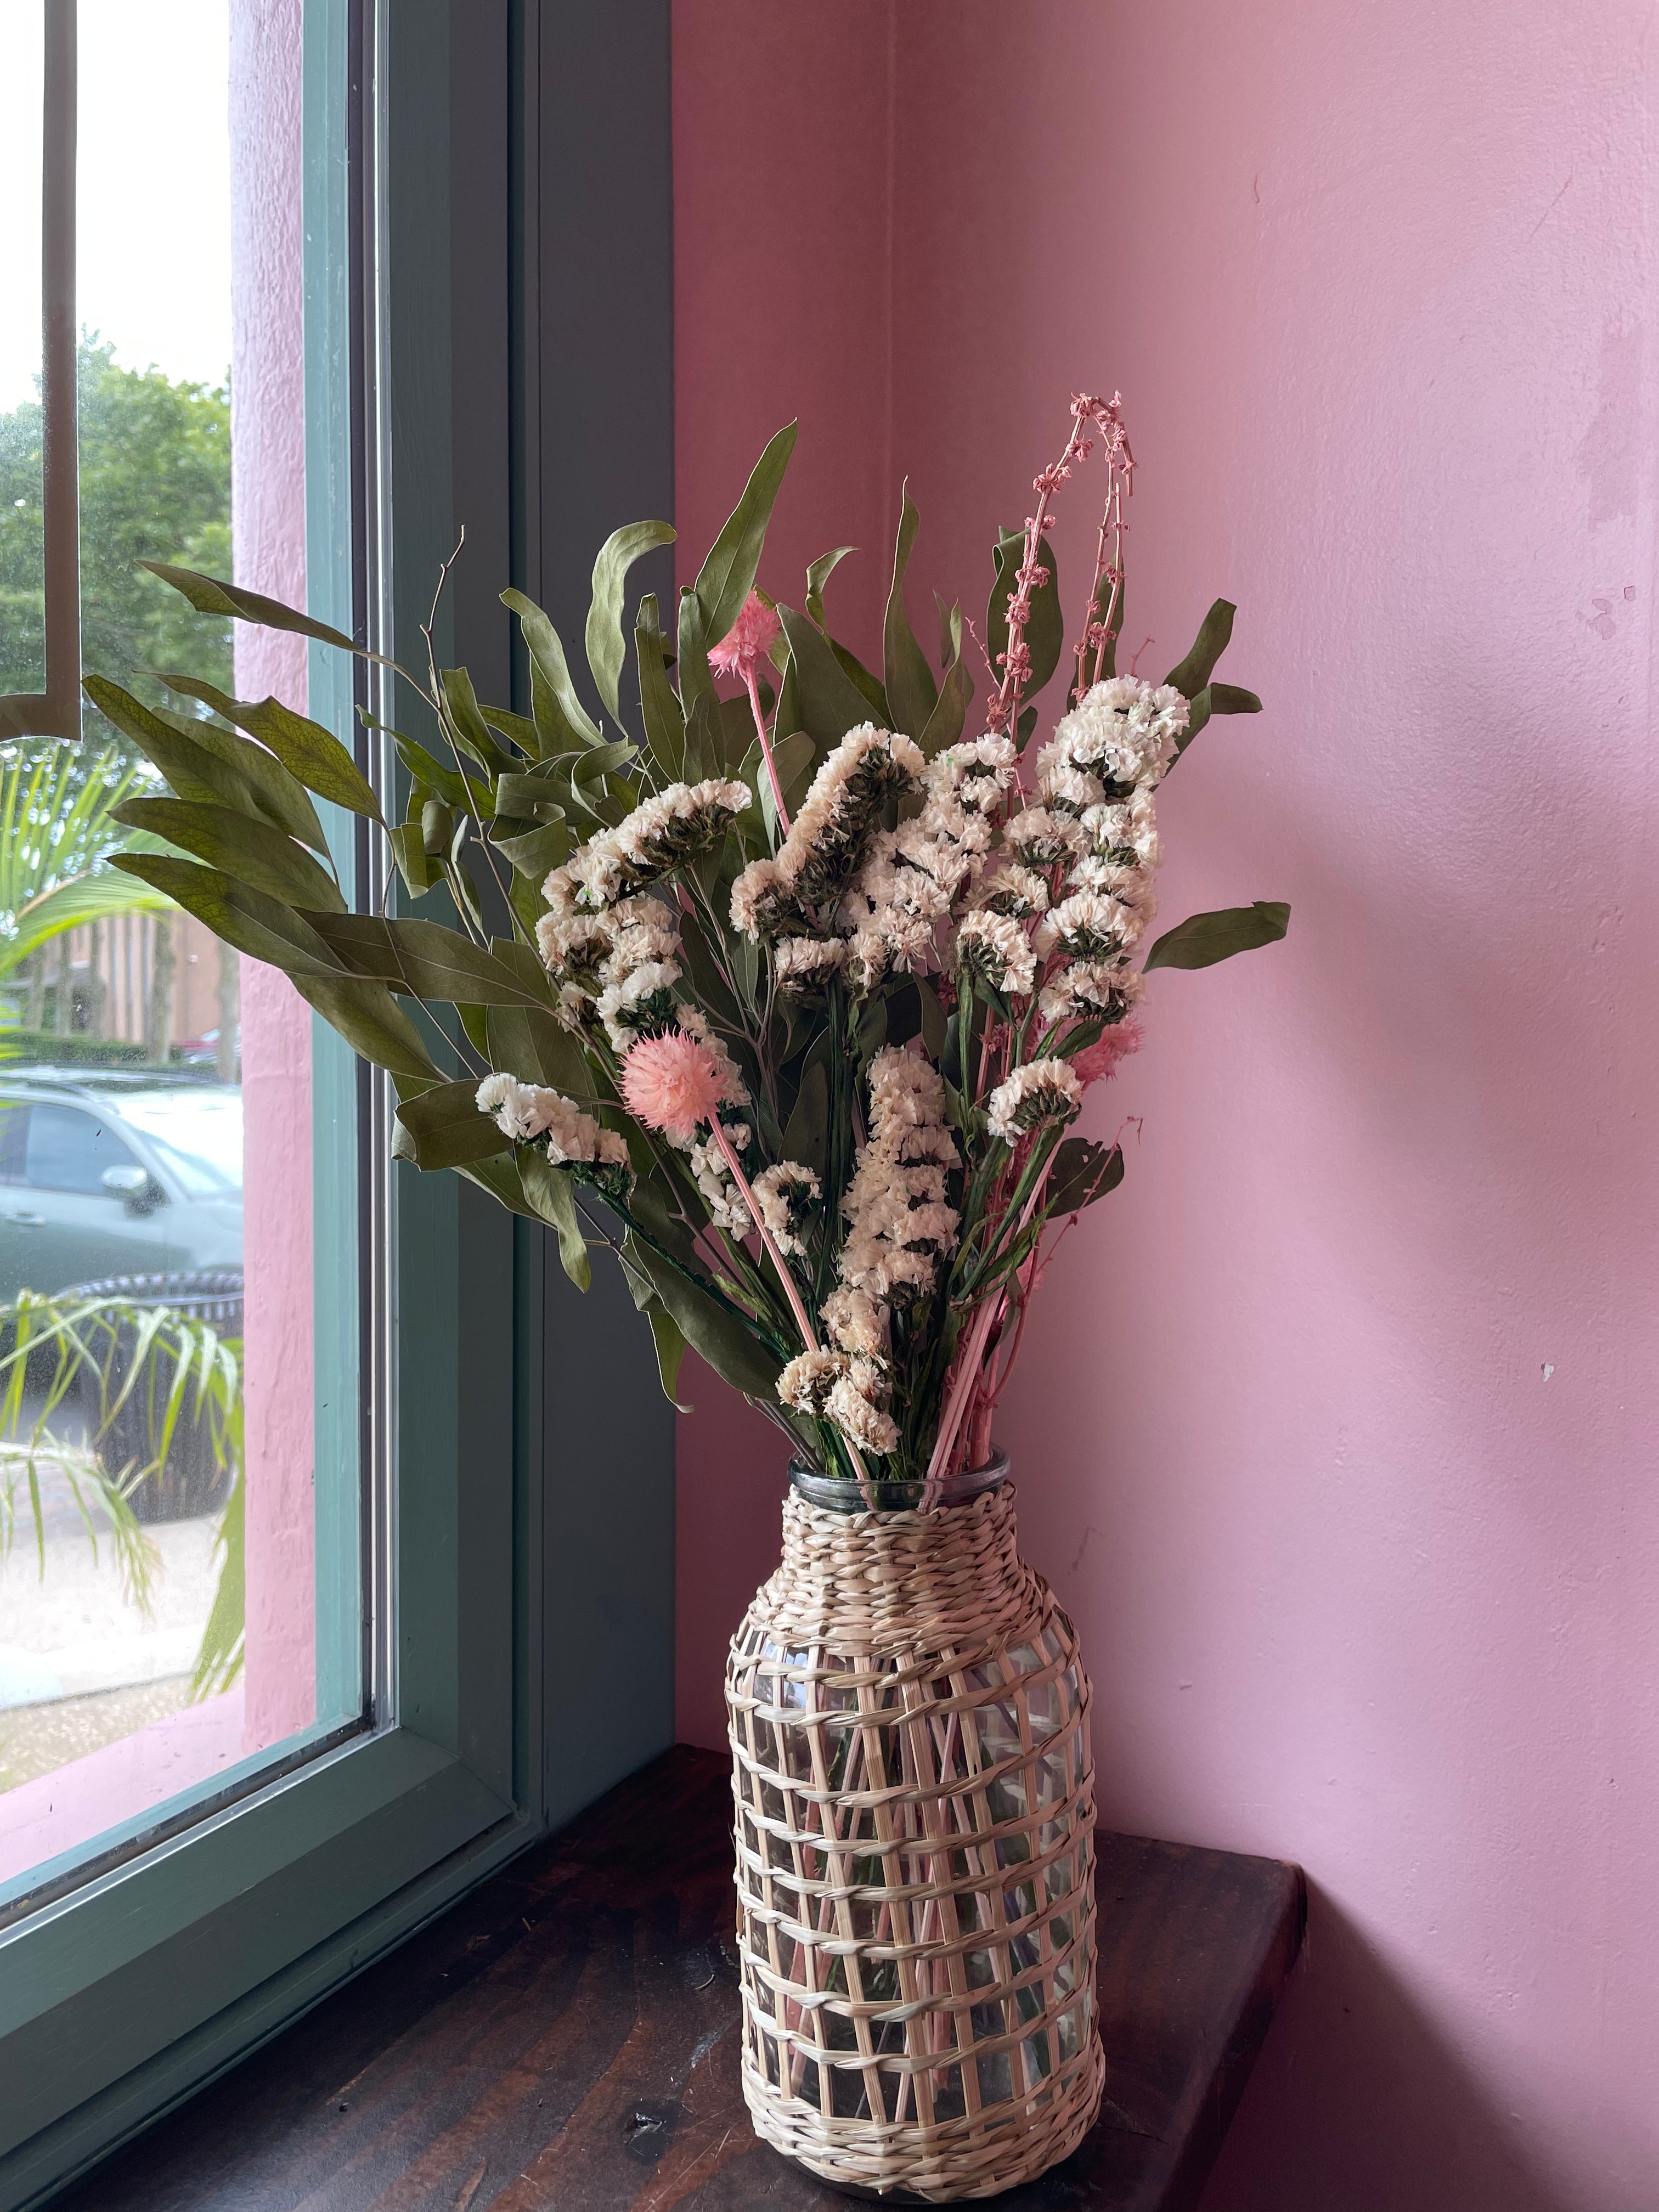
x=113 y=1173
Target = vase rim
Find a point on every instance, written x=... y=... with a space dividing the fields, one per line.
x=841 y=1494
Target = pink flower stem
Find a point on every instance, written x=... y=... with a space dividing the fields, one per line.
x=967 y=1370
x=729 y=1154
x=753 y=689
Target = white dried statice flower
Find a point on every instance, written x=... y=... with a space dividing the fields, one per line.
x=805 y=966
x=1094 y=925
x=1013 y=890
x=524 y=1111
x=519 y=1110
x=1038 y=838
x=718 y=1188
x=827 y=838
x=641 y=1004
x=977 y=772
x=673 y=826
x=912 y=876
x=1069 y=790
x=857 y=1323
x=995 y=946
x=899 y=1220
x=1122 y=732
x=865 y=1424
x=1091 y=989
x=1036 y=1095
x=1124 y=830
x=787 y=1197
x=807 y=1380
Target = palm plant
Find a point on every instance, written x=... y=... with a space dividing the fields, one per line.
x=171 y=1366
x=58 y=831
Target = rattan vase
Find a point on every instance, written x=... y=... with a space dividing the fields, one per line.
x=915 y=1831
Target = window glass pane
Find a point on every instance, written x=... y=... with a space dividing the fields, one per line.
x=22 y=545
x=184 y=1605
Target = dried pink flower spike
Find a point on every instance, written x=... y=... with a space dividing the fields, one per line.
x=740 y=653
x=672 y=1083
x=747 y=643
x=1101 y=1058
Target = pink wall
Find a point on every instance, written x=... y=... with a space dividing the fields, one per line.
x=268 y=454
x=1352 y=1495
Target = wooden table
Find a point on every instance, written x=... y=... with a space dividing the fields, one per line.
x=565 y=2040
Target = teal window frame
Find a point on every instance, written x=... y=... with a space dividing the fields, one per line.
x=526 y=1531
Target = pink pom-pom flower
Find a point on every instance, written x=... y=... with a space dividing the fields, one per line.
x=1101 y=1059
x=745 y=645
x=672 y=1083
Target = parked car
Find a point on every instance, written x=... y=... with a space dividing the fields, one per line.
x=116 y=1173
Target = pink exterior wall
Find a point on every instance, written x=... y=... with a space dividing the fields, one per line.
x=268 y=464
x=1337 y=1442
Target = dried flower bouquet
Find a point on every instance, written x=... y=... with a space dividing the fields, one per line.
x=791 y=997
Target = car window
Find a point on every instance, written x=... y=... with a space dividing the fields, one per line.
x=69 y=1150
x=14 y=1131
x=198 y=1133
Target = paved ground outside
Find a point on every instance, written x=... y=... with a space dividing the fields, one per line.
x=82 y=1660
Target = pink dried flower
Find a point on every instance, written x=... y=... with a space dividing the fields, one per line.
x=1101 y=1059
x=747 y=642
x=672 y=1083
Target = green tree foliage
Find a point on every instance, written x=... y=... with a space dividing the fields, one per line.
x=155 y=484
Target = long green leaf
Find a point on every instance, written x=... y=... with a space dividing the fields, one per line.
x=466 y=724
x=911 y=694
x=204 y=762
x=447 y=1127
x=550 y=1191
x=607 y=648
x=709 y=1328
x=728 y=576
x=241 y=846
x=213 y=595
x=565 y=724
x=424 y=960
x=311 y=754
x=265 y=928
x=530 y=1043
x=93 y=898
x=1203 y=938
x=1045 y=633
x=945 y=722
x=1191 y=675
x=665 y=724
x=368 y=1017
x=830 y=703
x=818 y=574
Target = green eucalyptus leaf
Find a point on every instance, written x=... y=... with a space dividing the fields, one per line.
x=264 y=927
x=368 y=1017
x=530 y=1043
x=565 y=724
x=520 y=729
x=607 y=648
x=818 y=575
x=728 y=576
x=711 y=1328
x=424 y=960
x=1233 y=698
x=311 y=754
x=213 y=595
x=911 y=694
x=696 y=680
x=212 y=766
x=447 y=1130
x=467 y=726
x=665 y=725
x=1045 y=633
x=414 y=860
x=1080 y=1173
x=1203 y=938
x=248 y=849
x=949 y=632
x=537 y=852
x=830 y=703
x=945 y=722
x=518 y=796
x=806 y=1133
x=550 y=1191
x=1191 y=675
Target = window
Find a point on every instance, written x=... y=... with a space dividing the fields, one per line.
x=415 y=1366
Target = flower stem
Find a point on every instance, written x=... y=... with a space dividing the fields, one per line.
x=766 y=747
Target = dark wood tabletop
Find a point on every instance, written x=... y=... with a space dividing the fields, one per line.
x=565 y=2039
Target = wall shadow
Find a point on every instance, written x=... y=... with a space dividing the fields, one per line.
x=1359 y=2101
